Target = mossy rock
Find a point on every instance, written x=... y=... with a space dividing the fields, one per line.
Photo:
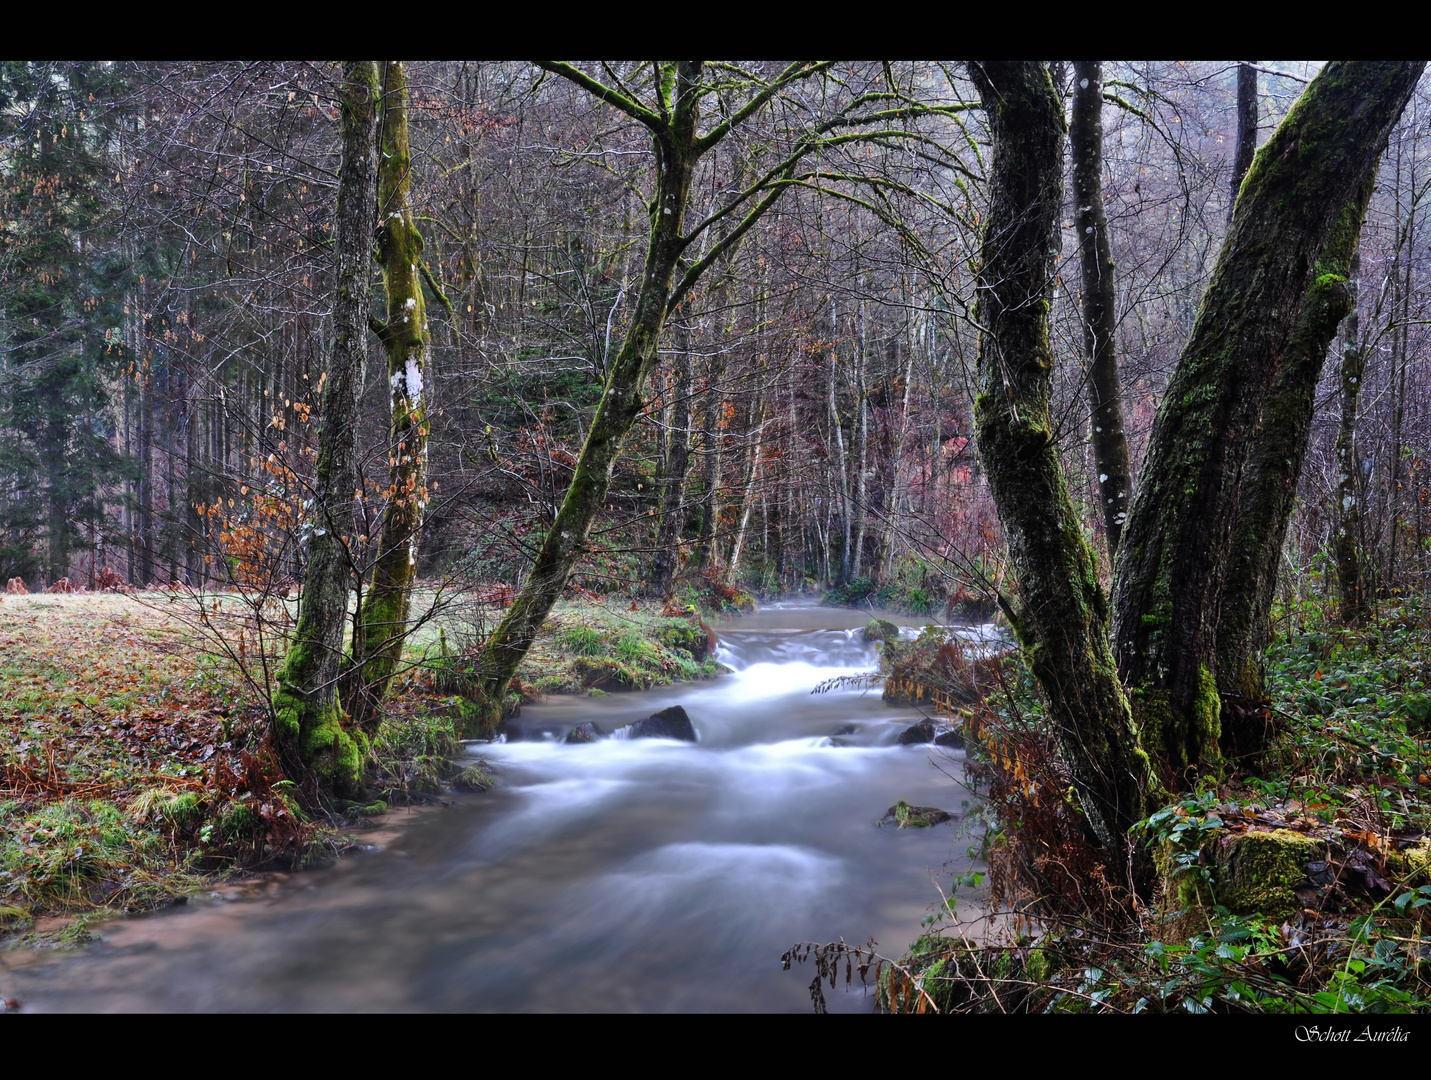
x=1413 y=861
x=474 y=778
x=610 y=674
x=916 y=817
x=1257 y=872
x=692 y=638
x=880 y=630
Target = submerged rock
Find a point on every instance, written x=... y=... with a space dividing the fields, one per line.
x=916 y=817
x=672 y=723
x=922 y=732
x=880 y=630
x=583 y=733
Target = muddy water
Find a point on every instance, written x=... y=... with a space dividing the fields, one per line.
x=625 y=875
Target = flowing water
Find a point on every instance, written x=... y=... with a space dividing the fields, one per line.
x=625 y=875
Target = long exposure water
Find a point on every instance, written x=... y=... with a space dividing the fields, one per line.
x=623 y=875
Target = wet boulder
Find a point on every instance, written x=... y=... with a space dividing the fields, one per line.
x=583 y=733
x=880 y=630
x=922 y=732
x=672 y=723
x=916 y=817
x=952 y=739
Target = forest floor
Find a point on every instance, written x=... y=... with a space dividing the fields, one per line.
x=135 y=762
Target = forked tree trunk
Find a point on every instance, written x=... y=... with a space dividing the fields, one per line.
x=306 y=706
x=384 y=615
x=1061 y=618
x=1176 y=546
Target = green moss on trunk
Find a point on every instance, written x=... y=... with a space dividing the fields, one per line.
x=384 y=616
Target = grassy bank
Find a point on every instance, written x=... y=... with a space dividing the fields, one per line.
x=135 y=761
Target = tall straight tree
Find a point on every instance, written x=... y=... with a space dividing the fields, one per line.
x=306 y=706
x=384 y=612
x=1100 y=316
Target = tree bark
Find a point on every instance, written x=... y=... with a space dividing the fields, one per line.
x=1061 y=620
x=309 y=719
x=1100 y=316
x=384 y=615
x=1169 y=579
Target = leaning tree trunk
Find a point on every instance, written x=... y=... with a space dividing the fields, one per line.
x=1178 y=539
x=1349 y=505
x=1062 y=615
x=621 y=402
x=1269 y=492
x=1100 y=316
x=309 y=719
x=1269 y=485
x=385 y=608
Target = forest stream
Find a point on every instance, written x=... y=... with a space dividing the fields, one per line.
x=624 y=875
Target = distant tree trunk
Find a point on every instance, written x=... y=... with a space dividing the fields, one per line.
x=1269 y=479
x=1246 y=129
x=838 y=455
x=1061 y=617
x=708 y=546
x=861 y=448
x=1176 y=545
x=678 y=461
x=1349 y=488
x=384 y=615
x=1100 y=316
x=309 y=719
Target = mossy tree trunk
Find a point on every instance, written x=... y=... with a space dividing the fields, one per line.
x=1062 y=616
x=1349 y=504
x=384 y=615
x=1269 y=484
x=309 y=718
x=1100 y=316
x=1177 y=542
